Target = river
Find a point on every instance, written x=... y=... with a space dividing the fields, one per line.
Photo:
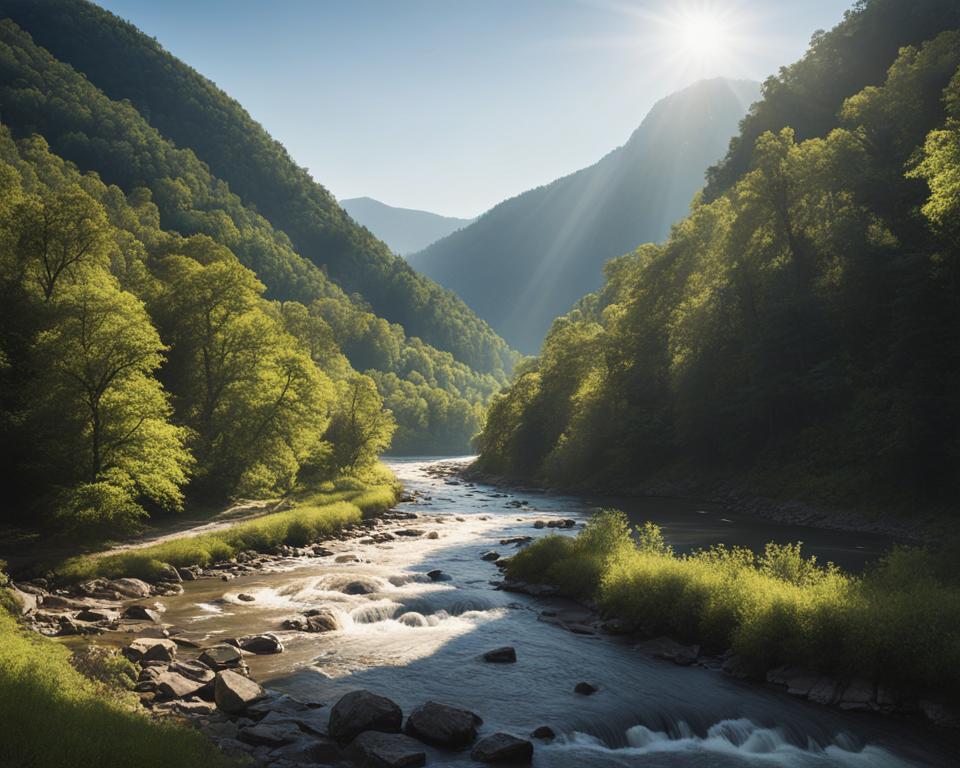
x=411 y=638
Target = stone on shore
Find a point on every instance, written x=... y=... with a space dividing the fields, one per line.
x=502 y=748
x=386 y=750
x=221 y=656
x=151 y=649
x=505 y=655
x=233 y=692
x=443 y=725
x=360 y=711
x=172 y=685
x=270 y=734
x=130 y=587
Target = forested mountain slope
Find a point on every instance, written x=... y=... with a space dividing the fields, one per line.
x=807 y=95
x=436 y=399
x=801 y=331
x=530 y=258
x=405 y=230
x=193 y=113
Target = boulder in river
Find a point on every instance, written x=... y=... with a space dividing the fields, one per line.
x=168 y=573
x=141 y=613
x=505 y=655
x=245 y=598
x=98 y=614
x=221 y=656
x=172 y=685
x=503 y=748
x=360 y=711
x=544 y=732
x=436 y=575
x=386 y=750
x=261 y=644
x=151 y=649
x=585 y=689
x=233 y=692
x=270 y=734
x=490 y=556
x=443 y=725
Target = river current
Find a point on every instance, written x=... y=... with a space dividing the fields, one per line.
x=411 y=638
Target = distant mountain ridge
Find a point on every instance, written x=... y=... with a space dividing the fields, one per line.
x=405 y=230
x=528 y=259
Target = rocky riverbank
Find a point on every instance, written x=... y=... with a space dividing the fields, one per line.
x=734 y=499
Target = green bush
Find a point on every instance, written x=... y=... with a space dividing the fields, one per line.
x=899 y=624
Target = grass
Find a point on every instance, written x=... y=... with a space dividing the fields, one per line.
x=899 y=624
x=52 y=715
x=314 y=516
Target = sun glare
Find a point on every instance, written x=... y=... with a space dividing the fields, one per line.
x=701 y=35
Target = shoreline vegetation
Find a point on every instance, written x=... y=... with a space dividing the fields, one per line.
x=893 y=629
x=88 y=694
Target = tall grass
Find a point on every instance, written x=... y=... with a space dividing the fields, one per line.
x=51 y=715
x=899 y=624
x=316 y=516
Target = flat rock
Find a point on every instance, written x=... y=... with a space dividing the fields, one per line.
x=317 y=750
x=269 y=734
x=490 y=556
x=151 y=649
x=505 y=655
x=221 y=656
x=360 y=711
x=443 y=725
x=98 y=614
x=585 y=689
x=386 y=750
x=234 y=692
x=172 y=685
x=194 y=669
x=502 y=748
x=670 y=650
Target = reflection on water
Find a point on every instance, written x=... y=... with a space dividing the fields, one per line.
x=408 y=636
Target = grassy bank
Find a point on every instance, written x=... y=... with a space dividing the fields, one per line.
x=899 y=624
x=54 y=716
x=313 y=516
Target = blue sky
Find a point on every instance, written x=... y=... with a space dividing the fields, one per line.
x=454 y=105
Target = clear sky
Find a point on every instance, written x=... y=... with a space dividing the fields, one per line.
x=454 y=105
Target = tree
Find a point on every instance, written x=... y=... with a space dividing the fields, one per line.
x=103 y=414
x=360 y=428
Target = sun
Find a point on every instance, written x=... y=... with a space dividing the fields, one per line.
x=701 y=36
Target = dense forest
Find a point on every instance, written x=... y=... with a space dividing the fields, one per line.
x=529 y=259
x=801 y=328
x=436 y=397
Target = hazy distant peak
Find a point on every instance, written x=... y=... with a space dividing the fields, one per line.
x=405 y=230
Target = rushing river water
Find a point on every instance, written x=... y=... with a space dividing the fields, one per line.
x=410 y=638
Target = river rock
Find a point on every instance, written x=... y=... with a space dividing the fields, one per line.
x=26 y=601
x=824 y=691
x=490 y=556
x=172 y=685
x=502 y=748
x=234 y=692
x=323 y=620
x=436 y=575
x=62 y=602
x=308 y=720
x=141 y=613
x=360 y=711
x=386 y=750
x=194 y=669
x=221 y=656
x=261 y=644
x=443 y=725
x=188 y=574
x=505 y=655
x=317 y=750
x=585 y=689
x=130 y=587
x=245 y=598
x=544 y=732
x=270 y=734
x=151 y=649
x=409 y=532
x=857 y=695
x=98 y=614
x=168 y=573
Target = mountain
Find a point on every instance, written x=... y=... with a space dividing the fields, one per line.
x=436 y=398
x=405 y=230
x=530 y=258
x=798 y=335
x=193 y=113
